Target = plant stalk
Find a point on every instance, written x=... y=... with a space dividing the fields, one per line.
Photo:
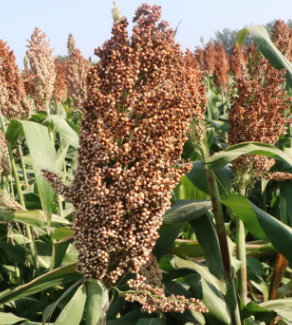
x=241 y=256
x=222 y=237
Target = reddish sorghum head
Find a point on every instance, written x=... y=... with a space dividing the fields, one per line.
x=13 y=103
x=257 y=111
x=142 y=97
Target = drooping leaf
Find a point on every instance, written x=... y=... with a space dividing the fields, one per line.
x=48 y=312
x=67 y=133
x=242 y=208
x=264 y=43
x=260 y=313
x=214 y=291
x=35 y=218
x=73 y=311
x=97 y=302
x=226 y=156
x=277 y=232
x=198 y=177
x=186 y=210
x=60 y=276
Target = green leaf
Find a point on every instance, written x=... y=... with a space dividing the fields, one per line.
x=59 y=251
x=199 y=178
x=214 y=291
x=97 y=302
x=242 y=208
x=66 y=132
x=151 y=321
x=35 y=218
x=278 y=233
x=60 y=276
x=9 y=319
x=73 y=311
x=260 y=313
x=264 y=43
x=43 y=156
x=222 y=158
x=186 y=210
x=167 y=235
x=48 y=312
x=186 y=248
x=207 y=236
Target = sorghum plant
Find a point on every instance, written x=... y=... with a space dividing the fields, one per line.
x=13 y=101
x=221 y=68
x=42 y=67
x=282 y=38
x=60 y=86
x=5 y=164
x=141 y=100
x=257 y=114
x=77 y=68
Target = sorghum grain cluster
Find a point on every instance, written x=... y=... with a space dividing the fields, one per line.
x=76 y=74
x=13 y=103
x=42 y=67
x=141 y=100
x=257 y=112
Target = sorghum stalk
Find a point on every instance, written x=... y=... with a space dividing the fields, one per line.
x=222 y=237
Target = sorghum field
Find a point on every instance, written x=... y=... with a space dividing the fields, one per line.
x=151 y=187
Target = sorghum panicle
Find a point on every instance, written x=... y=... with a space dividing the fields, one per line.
x=42 y=67
x=13 y=103
x=71 y=44
x=60 y=86
x=141 y=100
x=77 y=69
x=257 y=113
x=238 y=61
x=5 y=164
x=282 y=38
x=221 y=68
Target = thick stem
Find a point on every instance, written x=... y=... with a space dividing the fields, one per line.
x=222 y=237
x=241 y=256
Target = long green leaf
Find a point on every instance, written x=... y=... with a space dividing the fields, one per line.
x=73 y=311
x=214 y=291
x=9 y=319
x=242 y=208
x=60 y=276
x=222 y=158
x=207 y=236
x=264 y=43
x=35 y=218
x=186 y=210
x=43 y=156
x=48 y=312
x=66 y=132
x=278 y=233
x=198 y=177
x=97 y=302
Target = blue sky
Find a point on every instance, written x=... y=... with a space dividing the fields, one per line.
x=90 y=20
